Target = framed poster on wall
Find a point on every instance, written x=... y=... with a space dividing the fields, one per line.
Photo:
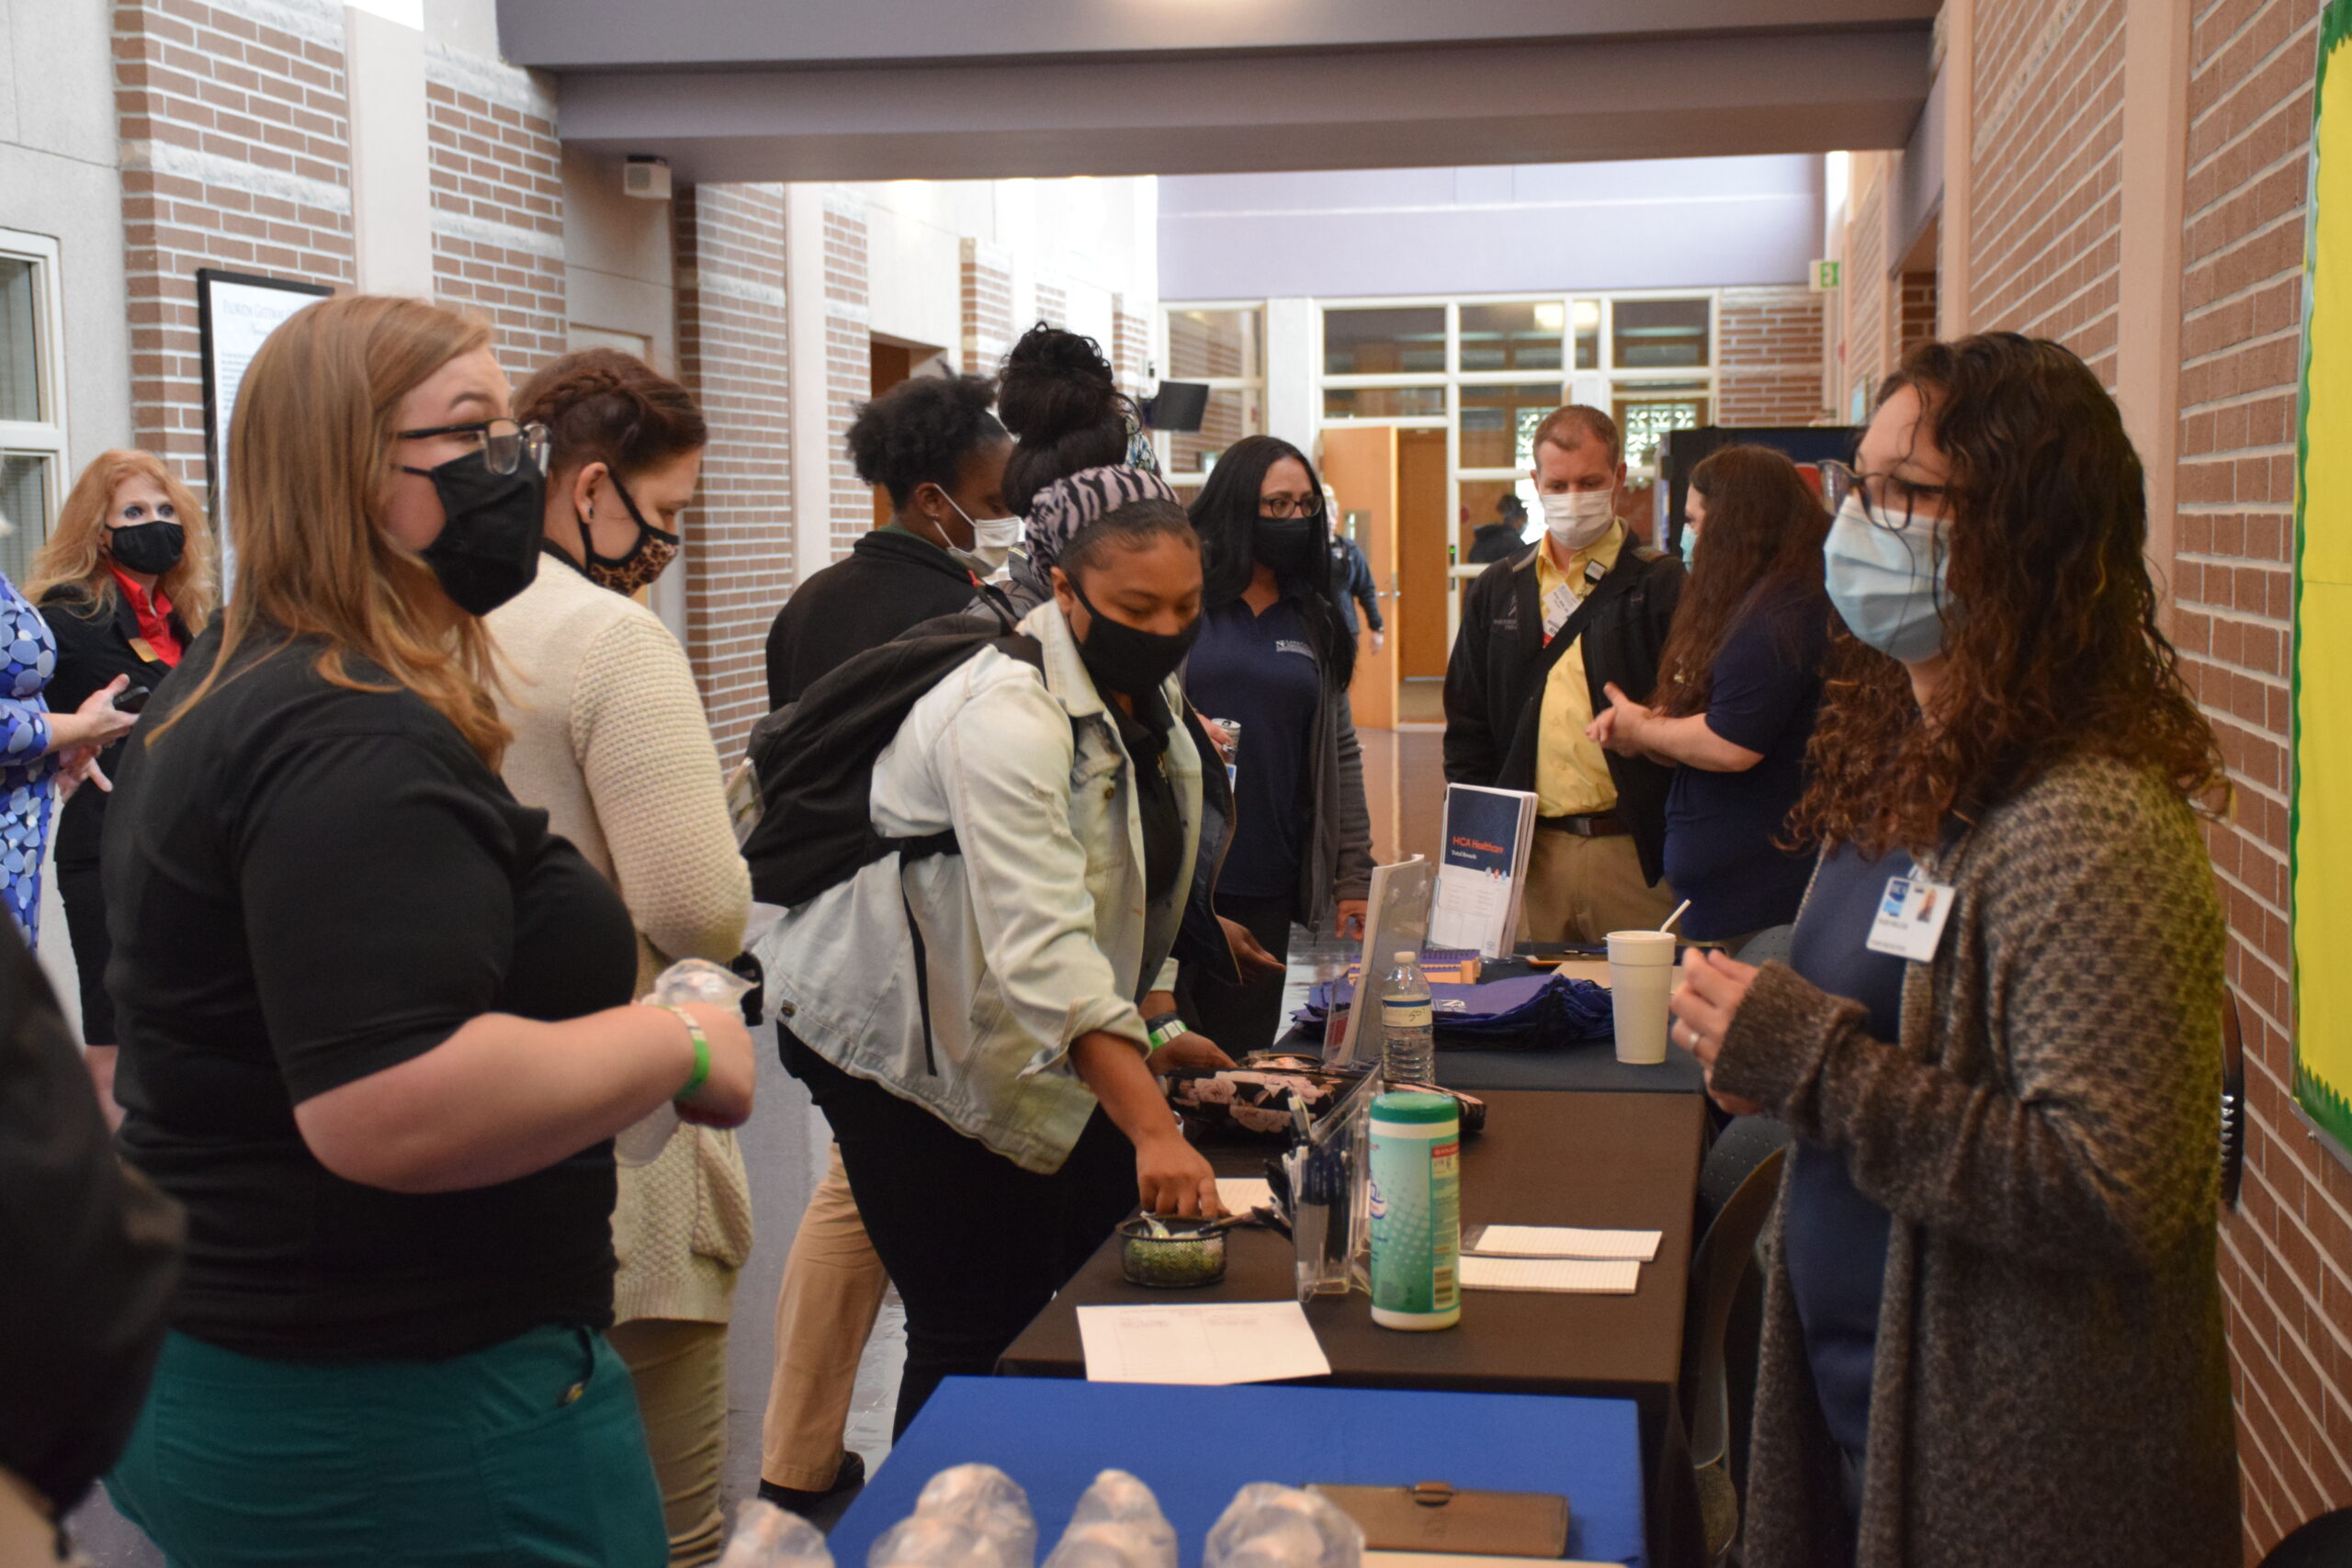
x=2320 y=803
x=234 y=311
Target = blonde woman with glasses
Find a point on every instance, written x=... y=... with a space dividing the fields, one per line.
x=375 y=1018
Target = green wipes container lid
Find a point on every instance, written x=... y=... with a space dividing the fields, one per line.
x=1401 y=1107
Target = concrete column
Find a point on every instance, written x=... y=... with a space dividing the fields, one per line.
x=391 y=209
x=804 y=329
x=1960 y=161
x=1294 y=340
x=2154 y=164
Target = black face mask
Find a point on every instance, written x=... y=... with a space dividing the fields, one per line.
x=152 y=547
x=1290 y=545
x=489 y=550
x=1124 y=658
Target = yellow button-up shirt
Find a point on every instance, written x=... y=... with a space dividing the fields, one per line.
x=1571 y=772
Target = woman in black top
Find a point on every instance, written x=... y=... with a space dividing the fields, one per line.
x=936 y=450
x=373 y=1015
x=1276 y=655
x=1741 y=684
x=124 y=582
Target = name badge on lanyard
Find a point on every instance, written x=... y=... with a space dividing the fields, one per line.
x=1911 y=916
x=1561 y=602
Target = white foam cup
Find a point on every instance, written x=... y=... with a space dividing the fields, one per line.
x=1641 y=975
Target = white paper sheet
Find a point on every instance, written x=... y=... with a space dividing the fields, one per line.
x=1240 y=1194
x=1566 y=1240
x=1203 y=1342
x=1575 y=1275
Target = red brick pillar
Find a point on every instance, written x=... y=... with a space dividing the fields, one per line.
x=729 y=250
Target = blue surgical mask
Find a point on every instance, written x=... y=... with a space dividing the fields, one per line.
x=1689 y=546
x=1888 y=583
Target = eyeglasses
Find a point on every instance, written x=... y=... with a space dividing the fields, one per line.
x=505 y=443
x=1284 y=506
x=1887 y=501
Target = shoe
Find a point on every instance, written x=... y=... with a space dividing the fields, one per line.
x=848 y=1478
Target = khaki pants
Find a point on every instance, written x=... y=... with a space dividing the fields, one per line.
x=680 y=1370
x=831 y=1293
x=1580 y=890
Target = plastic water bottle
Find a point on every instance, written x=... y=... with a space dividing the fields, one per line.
x=1410 y=1055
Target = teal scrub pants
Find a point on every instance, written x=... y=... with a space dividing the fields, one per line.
x=527 y=1452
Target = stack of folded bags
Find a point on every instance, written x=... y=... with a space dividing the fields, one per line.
x=1532 y=1013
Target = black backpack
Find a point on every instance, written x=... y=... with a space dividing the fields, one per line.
x=814 y=758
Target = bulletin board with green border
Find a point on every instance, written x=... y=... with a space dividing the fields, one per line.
x=2320 y=820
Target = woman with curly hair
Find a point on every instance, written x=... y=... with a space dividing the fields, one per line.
x=1736 y=703
x=125 y=582
x=1993 y=1328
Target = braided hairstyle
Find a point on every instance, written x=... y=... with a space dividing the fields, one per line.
x=603 y=406
x=1058 y=396
x=920 y=431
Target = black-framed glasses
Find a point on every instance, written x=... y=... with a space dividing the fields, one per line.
x=1280 y=506
x=505 y=443
x=1887 y=501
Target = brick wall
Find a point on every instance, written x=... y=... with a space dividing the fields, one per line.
x=730 y=272
x=1053 y=304
x=1768 y=356
x=2287 y=1252
x=236 y=154
x=1915 y=321
x=1868 y=322
x=1131 y=348
x=2046 y=199
x=497 y=194
x=849 y=367
x=987 y=307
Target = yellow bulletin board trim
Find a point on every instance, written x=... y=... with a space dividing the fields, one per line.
x=2320 y=674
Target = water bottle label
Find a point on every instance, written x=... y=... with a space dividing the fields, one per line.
x=1406 y=1014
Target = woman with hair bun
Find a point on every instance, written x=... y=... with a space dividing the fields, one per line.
x=611 y=740
x=1060 y=397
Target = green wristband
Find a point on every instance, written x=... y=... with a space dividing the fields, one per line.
x=702 y=1053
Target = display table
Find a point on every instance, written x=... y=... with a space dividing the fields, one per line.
x=1197 y=1447
x=1617 y=1161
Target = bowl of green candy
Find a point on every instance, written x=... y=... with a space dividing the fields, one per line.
x=1171 y=1254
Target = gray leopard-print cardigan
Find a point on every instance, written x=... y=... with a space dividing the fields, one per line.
x=2051 y=1386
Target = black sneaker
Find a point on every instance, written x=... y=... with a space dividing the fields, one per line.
x=847 y=1479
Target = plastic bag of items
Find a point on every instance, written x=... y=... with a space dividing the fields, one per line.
x=1267 y=1526
x=767 y=1537
x=1117 y=1524
x=971 y=1516
x=687 y=980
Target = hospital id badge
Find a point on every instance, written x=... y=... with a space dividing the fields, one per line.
x=1911 y=916
x=1558 y=605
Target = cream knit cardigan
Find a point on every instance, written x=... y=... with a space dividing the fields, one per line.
x=611 y=742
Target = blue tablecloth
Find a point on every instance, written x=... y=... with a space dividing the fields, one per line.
x=1197 y=1447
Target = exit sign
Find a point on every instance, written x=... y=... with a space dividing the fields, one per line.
x=1824 y=276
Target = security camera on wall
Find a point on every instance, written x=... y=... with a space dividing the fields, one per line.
x=645 y=177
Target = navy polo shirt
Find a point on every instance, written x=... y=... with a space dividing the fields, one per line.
x=1835 y=1238
x=1260 y=670
x=1764 y=692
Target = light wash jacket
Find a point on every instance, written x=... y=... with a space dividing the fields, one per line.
x=1038 y=932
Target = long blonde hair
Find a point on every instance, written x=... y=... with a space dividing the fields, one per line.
x=75 y=553
x=309 y=455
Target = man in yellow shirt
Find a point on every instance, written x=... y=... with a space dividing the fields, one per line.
x=1543 y=634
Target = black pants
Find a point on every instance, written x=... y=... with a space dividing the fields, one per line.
x=1249 y=1016
x=86 y=922
x=976 y=1245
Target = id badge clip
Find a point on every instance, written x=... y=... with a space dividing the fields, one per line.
x=1910 y=920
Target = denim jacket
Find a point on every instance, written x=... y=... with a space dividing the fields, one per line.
x=1038 y=932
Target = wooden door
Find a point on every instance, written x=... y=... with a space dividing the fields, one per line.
x=1361 y=468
